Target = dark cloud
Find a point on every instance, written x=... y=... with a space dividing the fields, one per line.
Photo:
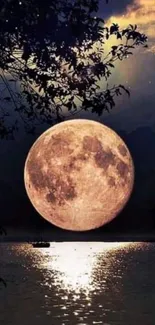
x=113 y=7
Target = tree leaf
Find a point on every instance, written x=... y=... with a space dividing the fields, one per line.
x=7 y=98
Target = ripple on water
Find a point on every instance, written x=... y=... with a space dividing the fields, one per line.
x=78 y=283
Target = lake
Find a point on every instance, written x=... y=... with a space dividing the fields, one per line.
x=78 y=283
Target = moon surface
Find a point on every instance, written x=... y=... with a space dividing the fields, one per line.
x=79 y=175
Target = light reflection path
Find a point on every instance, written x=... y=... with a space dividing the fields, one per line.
x=83 y=283
x=72 y=266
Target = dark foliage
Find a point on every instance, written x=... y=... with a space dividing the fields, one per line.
x=55 y=50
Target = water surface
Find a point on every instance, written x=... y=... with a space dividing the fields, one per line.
x=78 y=284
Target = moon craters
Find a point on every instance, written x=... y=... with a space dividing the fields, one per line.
x=79 y=174
x=91 y=144
x=61 y=190
x=111 y=181
x=59 y=144
x=37 y=178
x=123 y=170
x=103 y=158
x=122 y=150
x=58 y=188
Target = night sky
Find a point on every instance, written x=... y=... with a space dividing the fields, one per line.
x=133 y=119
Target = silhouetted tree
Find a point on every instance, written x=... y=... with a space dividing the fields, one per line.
x=56 y=50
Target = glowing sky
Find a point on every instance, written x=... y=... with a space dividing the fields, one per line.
x=137 y=71
x=141 y=13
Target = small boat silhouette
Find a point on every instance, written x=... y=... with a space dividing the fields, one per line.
x=41 y=244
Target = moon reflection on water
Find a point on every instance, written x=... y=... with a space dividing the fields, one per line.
x=79 y=282
x=72 y=268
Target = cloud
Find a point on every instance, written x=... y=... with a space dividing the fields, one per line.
x=141 y=13
x=151 y=49
x=113 y=8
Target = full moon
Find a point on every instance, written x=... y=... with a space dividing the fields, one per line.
x=79 y=175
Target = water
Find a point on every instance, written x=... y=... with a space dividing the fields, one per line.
x=78 y=284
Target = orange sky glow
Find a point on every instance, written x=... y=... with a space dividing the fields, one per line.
x=141 y=13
